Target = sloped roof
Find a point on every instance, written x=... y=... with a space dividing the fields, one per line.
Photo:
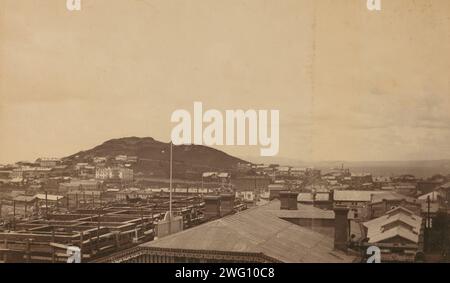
x=381 y=222
x=209 y=174
x=445 y=186
x=25 y=198
x=377 y=198
x=396 y=222
x=394 y=232
x=348 y=195
x=257 y=230
x=303 y=211
x=434 y=195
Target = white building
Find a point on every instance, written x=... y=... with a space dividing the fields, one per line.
x=48 y=162
x=124 y=174
x=123 y=158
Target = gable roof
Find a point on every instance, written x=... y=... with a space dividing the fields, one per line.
x=399 y=222
x=434 y=196
x=257 y=230
x=395 y=232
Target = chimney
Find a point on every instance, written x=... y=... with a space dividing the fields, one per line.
x=212 y=207
x=288 y=200
x=331 y=196
x=341 y=228
x=227 y=203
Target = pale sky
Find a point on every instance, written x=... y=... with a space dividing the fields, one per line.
x=350 y=84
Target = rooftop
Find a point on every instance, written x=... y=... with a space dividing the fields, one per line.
x=399 y=222
x=257 y=230
x=348 y=195
x=377 y=198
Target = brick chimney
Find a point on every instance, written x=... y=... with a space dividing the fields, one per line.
x=288 y=200
x=341 y=228
x=227 y=203
x=331 y=196
x=212 y=207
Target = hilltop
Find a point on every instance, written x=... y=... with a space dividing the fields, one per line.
x=153 y=156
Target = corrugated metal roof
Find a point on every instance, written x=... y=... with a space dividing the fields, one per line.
x=257 y=230
x=348 y=195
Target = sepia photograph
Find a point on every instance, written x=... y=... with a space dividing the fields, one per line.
x=220 y=132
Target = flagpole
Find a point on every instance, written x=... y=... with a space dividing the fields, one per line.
x=170 y=183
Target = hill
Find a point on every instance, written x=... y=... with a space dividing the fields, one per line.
x=153 y=157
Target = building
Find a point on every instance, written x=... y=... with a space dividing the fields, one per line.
x=431 y=203
x=99 y=160
x=283 y=171
x=51 y=199
x=80 y=185
x=222 y=177
x=47 y=240
x=406 y=189
x=27 y=172
x=298 y=172
x=24 y=205
x=48 y=162
x=253 y=235
x=243 y=167
x=382 y=203
x=361 y=178
x=275 y=189
x=121 y=158
x=251 y=183
x=356 y=201
x=399 y=235
x=132 y=159
x=247 y=196
x=424 y=187
x=81 y=165
x=116 y=173
x=318 y=199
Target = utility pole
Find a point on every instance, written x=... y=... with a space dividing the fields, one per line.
x=46 y=205
x=14 y=214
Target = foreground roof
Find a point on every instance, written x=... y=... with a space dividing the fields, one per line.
x=256 y=230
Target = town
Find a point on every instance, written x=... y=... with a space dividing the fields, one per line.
x=114 y=211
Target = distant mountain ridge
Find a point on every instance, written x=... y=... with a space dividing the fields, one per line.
x=153 y=156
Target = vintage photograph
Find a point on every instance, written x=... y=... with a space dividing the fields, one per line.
x=224 y=131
